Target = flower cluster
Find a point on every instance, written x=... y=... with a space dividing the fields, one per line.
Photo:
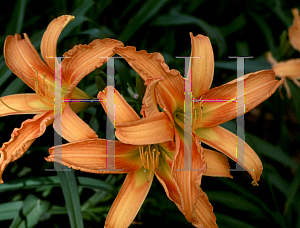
x=154 y=145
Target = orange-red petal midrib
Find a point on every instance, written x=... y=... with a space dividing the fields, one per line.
x=90 y=155
x=50 y=37
x=154 y=129
x=124 y=113
x=202 y=64
x=219 y=104
x=188 y=176
x=226 y=142
x=72 y=127
x=216 y=164
x=129 y=200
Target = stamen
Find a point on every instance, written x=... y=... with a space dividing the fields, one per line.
x=43 y=98
x=13 y=108
x=157 y=159
x=153 y=161
x=150 y=160
x=147 y=159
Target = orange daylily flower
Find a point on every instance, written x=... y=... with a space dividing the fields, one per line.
x=152 y=154
x=169 y=94
x=291 y=68
x=25 y=62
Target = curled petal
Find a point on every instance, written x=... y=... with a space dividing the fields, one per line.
x=226 y=142
x=149 y=106
x=289 y=68
x=154 y=129
x=91 y=156
x=129 y=200
x=22 y=138
x=24 y=61
x=202 y=64
x=217 y=164
x=50 y=37
x=152 y=65
x=204 y=212
x=294 y=30
x=124 y=113
x=71 y=127
x=83 y=59
x=219 y=104
x=27 y=103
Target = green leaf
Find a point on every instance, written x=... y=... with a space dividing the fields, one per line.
x=267 y=32
x=149 y=9
x=27 y=183
x=264 y=148
x=13 y=87
x=16 y=23
x=251 y=65
x=295 y=91
x=229 y=221
x=71 y=195
x=293 y=190
x=234 y=26
x=5 y=72
x=10 y=210
x=176 y=18
x=29 y=215
x=83 y=8
x=235 y=201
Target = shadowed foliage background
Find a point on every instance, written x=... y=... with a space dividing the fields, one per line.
x=32 y=197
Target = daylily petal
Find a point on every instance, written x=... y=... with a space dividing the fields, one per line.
x=204 y=212
x=203 y=66
x=83 y=59
x=22 y=138
x=171 y=88
x=90 y=155
x=74 y=128
x=50 y=37
x=163 y=174
x=188 y=179
x=294 y=30
x=124 y=113
x=258 y=87
x=143 y=132
x=289 y=68
x=149 y=106
x=129 y=200
x=216 y=164
x=27 y=103
x=226 y=142
x=21 y=56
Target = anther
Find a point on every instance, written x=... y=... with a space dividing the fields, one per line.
x=157 y=159
x=147 y=160
x=153 y=162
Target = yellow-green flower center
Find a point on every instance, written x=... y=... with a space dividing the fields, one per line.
x=149 y=156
